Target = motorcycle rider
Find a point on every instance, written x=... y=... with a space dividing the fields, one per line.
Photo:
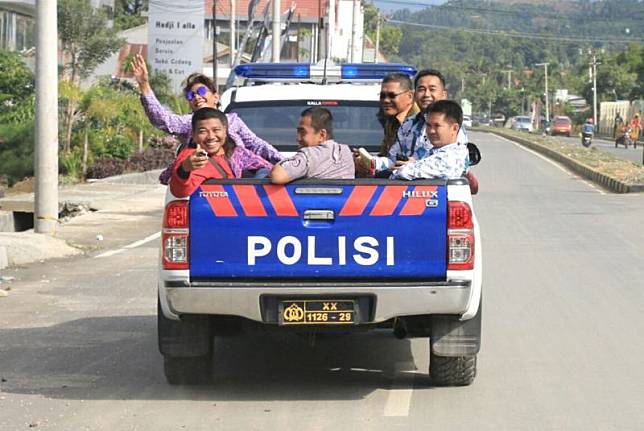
x=587 y=131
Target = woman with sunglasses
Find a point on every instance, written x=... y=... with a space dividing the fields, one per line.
x=200 y=92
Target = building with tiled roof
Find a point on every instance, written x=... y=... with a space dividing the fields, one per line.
x=308 y=10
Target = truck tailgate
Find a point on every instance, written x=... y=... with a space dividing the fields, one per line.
x=357 y=229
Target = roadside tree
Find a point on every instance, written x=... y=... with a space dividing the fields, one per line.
x=86 y=41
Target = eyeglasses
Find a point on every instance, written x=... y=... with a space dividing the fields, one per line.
x=390 y=95
x=200 y=91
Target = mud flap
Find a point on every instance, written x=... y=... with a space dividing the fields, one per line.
x=453 y=337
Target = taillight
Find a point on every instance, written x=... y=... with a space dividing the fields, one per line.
x=176 y=215
x=459 y=215
x=460 y=236
x=176 y=228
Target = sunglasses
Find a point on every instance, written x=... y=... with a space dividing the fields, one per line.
x=201 y=91
x=390 y=95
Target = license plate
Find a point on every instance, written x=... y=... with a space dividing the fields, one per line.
x=317 y=312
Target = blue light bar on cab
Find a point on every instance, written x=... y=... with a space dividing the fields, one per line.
x=274 y=71
x=375 y=71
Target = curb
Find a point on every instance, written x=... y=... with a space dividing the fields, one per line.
x=603 y=180
x=147 y=177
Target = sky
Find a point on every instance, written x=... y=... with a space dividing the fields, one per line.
x=390 y=5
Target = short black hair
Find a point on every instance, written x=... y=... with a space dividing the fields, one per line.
x=207 y=113
x=321 y=118
x=452 y=111
x=429 y=72
x=400 y=78
x=199 y=78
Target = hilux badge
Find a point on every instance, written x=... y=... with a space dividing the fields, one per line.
x=432 y=194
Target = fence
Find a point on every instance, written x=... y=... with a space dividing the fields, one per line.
x=626 y=110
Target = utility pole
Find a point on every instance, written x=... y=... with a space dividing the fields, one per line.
x=299 y=36
x=233 y=38
x=214 y=43
x=545 y=65
x=330 y=30
x=594 y=65
x=375 y=58
x=321 y=46
x=509 y=72
x=46 y=155
x=354 y=31
x=277 y=31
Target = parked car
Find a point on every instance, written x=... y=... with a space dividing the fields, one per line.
x=484 y=121
x=498 y=120
x=522 y=123
x=467 y=121
x=561 y=125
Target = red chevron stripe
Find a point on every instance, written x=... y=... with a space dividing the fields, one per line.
x=358 y=200
x=221 y=206
x=280 y=200
x=250 y=201
x=416 y=206
x=388 y=201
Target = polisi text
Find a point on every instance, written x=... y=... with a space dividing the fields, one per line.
x=364 y=250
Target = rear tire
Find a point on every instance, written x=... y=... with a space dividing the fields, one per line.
x=188 y=371
x=452 y=370
x=186 y=346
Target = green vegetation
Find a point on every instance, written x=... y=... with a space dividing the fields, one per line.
x=86 y=41
x=476 y=42
x=16 y=118
x=110 y=132
x=127 y=13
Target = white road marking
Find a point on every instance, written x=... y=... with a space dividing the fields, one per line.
x=553 y=163
x=399 y=395
x=129 y=246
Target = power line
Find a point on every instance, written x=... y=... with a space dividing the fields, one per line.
x=515 y=34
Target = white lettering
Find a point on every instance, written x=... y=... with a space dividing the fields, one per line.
x=312 y=259
x=342 y=250
x=253 y=251
x=281 y=250
x=390 y=251
x=361 y=246
x=288 y=251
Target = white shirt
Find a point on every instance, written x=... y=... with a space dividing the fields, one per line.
x=412 y=134
x=448 y=162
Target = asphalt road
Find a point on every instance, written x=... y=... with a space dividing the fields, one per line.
x=562 y=345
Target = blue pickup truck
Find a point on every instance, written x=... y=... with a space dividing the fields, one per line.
x=320 y=256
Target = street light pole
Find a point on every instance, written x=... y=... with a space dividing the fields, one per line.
x=46 y=154
x=233 y=37
x=277 y=30
x=375 y=57
x=509 y=72
x=545 y=66
x=214 y=43
x=594 y=65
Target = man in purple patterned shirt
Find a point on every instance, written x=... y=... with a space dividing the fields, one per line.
x=200 y=92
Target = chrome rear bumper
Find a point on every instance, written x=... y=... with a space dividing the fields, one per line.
x=244 y=299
